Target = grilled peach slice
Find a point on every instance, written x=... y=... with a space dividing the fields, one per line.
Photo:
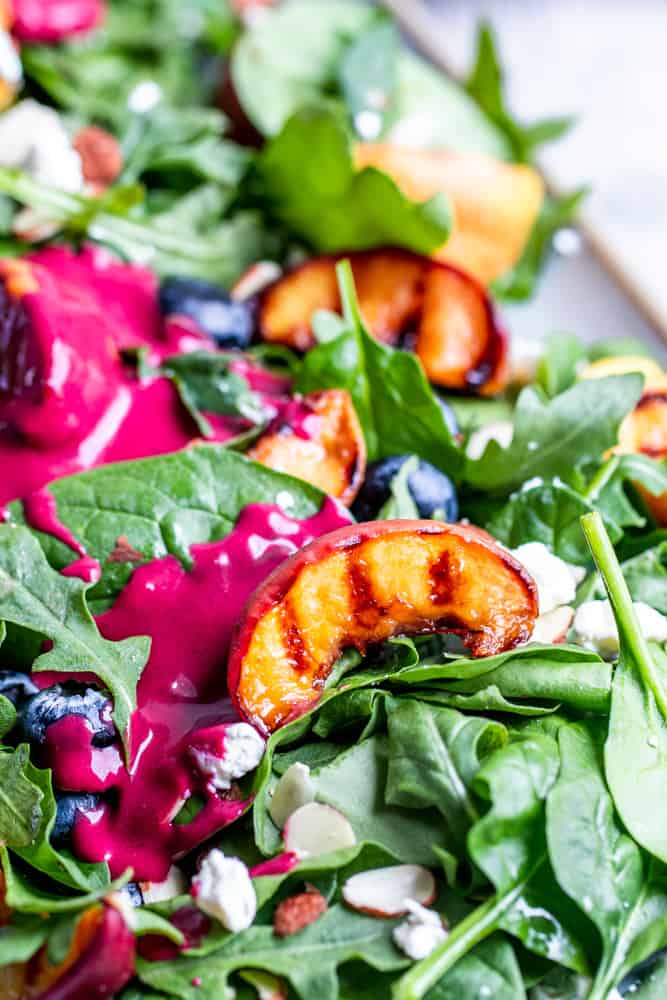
x=444 y=312
x=317 y=438
x=363 y=584
x=495 y=204
x=645 y=431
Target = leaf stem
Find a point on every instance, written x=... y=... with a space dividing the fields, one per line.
x=477 y=926
x=601 y=478
x=626 y=617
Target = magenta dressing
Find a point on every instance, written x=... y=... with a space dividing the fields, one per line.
x=68 y=401
x=181 y=695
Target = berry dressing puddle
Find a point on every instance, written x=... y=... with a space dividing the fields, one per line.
x=92 y=411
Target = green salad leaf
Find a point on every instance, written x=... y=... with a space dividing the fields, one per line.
x=368 y=73
x=20 y=799
x=397 y=408
x=36 y=597
x=307 y=177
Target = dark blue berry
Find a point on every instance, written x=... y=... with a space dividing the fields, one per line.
x=16 y=686
x=432 y=491
x=69 y=805
x=57 y=702
x=230 y=324
x=449 y=415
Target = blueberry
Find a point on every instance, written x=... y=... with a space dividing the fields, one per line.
x=55 y=703
x=432 y=491
x=16 y=686
x=229 y=323
x=449 y=415
x=68 y=806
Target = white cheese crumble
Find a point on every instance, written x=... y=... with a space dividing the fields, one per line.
x=295 y=788
x=10 y=62
x=556 y=579
x=595 y=626
x=501 y=431
x=223 y=889
x=243 y=750
x=34 y=138
x=175 y=884
x=420 y=933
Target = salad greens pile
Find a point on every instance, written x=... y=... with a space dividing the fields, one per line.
x=532 y=783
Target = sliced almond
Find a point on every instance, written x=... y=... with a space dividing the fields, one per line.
x=253 y=281
x=387 y=892
x=553 y=626
x=316 y=829
x=295 y=788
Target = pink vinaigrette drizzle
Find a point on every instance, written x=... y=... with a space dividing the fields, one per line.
x=189 y=615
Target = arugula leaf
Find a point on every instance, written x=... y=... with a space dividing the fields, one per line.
x=397 y=408
x=308 y=178
x=186 y=240
x=20 y=798
x=163 y=505
x=206 y=384
x=557 y=370
x=308 y=960
x=485 y=85
x=434 y=754
x=638 y=716
x=36 y=597
x=519 y=284
x=7 y=715
x=601 y=868
x=554 y=437
x=59 y=865
x=368 y=74
x=549 y=513
x=24 y=896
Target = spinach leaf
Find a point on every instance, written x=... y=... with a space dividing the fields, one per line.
x=59 y=865
x=557 y=370
x=163 y=505
x=485 y=85
x=489 y=699
x=308 y=960
x=206 y=384
x=396 y=406
x=20 y=939
x=554 y=437
x=7 y=716
x=489 y=970
x=20 y=798
x=645 y=575
x=308 y=178
x=186 y=240
x=608 y=489
x=434 y=754
x=638 y=716
x=368 y=75
x=23 y=895
x=601 y=868
x=519 y=283
x=36 y=597
x=548 y=512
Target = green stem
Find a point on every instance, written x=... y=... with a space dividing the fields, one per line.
x=477 y=926
x=626 y=618
x=601 y=478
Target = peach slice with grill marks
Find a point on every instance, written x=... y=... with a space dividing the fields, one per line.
x=645 y=431
x=404 y=297
x=317 y=438
x=363 y=584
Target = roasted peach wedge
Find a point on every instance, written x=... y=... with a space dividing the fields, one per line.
x=403 y=295
x=495 y=204
x=363 y=584
x=317 y=438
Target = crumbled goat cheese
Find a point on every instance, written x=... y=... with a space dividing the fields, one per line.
x=243 y=750
x=33 y=137
x=294 y=789
x=420 y=933
x=10 y=62
x=223 y=889
x=556 y=579
x=501 y=431
x=595 y=626
x=175 y=884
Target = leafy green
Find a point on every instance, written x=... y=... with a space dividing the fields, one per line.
x=609 y=489
x=554 y=437
x=557 y=370
x=36 y=597
x=163 y=505
x=638 y=716
x=23 y=895
x=187 y=239
x=308 y=178
x=400 y=502
x=20 y=799
x=601 y=868
x=397 y=408
x=368 y=73
x=489 y=970
x=645 y=575
x=7 y=716
x=485 y=85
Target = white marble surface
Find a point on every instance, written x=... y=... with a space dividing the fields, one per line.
x=603 y=61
